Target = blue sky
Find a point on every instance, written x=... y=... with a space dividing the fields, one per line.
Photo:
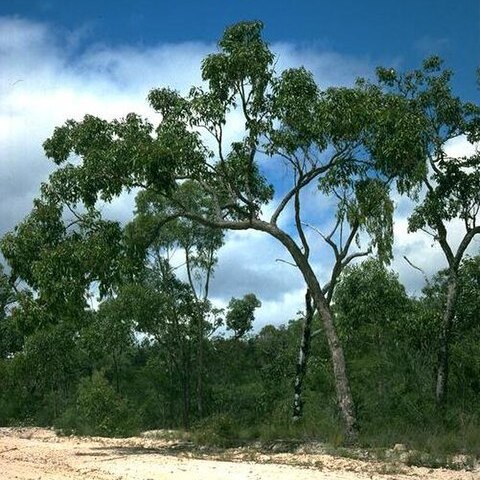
x=379 y=30
x=62 y=59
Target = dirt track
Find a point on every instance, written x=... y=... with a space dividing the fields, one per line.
x=38 y=454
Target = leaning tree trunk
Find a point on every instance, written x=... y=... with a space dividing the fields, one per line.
x=443 y=353
x=303 y=359
x=342 y=386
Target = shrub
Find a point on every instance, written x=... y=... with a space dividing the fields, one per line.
x=98 y=410
x=219 y=430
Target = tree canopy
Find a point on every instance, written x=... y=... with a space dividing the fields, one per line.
x=196 y=174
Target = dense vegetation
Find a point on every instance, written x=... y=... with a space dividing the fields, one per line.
x=93 y=375
x=364 y=361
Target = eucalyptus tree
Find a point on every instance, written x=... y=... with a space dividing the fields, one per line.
x=376 y=321
x=348 y=137
x=57 y=259
x=355 y=204
x=109 y=338
x=198 y=245
x=451 y=183
x=163 y=308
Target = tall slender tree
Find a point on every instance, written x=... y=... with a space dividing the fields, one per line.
x=198 y=244
x=451 y=183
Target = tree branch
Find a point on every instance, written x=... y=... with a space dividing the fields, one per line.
x=442 y=239
x=327 y=238
x=464 y=245
x=280 y=260
x=355 y=255
x=414 y=266
x=303 y=181
x=298 y=223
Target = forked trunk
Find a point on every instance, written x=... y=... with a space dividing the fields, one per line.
x=342 y=386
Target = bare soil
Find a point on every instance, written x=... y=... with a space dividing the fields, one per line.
x=39 y=454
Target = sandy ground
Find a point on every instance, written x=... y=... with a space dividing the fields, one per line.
x=38 y=454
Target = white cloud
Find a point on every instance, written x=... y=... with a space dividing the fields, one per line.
x=460 y=147
x=424 y=252
x=329 y=68
x=250 y=263
x=280 y=310
x=42 y=84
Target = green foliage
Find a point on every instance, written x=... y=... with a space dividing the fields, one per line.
x=60 y=259
x=374 y=136
x=391 y=342
x=248 y=388
x=373 y=210
x=98 y=411
x=227 y=71
x=372 y=313
x=465 y=367
x=152 y=230
x=353 y=141
x=220 y=430
x=240 y=314
x=452 y=183
x=469 y=296
x=357 y=300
